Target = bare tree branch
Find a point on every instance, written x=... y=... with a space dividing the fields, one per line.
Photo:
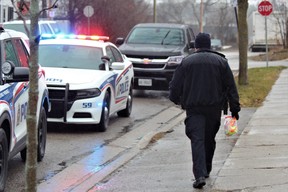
x=54 y=6
x=20 y=15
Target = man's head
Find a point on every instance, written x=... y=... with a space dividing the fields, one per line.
x=203 y=41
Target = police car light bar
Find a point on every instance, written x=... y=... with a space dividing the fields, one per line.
x=72 y=36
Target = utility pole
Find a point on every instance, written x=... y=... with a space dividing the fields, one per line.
x=154 y=11
x=1 y=12
x=201 y=16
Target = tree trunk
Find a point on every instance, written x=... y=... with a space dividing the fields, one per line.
x=243 y=41
x=31 y=161
x=286 y=37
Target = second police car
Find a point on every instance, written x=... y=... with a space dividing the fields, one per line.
x=14 y=86
x=88 y=80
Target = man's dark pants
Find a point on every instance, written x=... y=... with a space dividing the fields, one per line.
x=202 y=125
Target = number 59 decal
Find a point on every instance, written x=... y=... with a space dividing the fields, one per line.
x=86 y=105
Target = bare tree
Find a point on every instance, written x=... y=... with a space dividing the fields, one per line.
x=217 y=16
x=112 y=18
x=34 y=38
x=171 y=11
x=280 y=14
x=243 y=41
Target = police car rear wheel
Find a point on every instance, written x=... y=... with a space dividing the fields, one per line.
x=3 y=159
x=104 y=121
x=127 y=111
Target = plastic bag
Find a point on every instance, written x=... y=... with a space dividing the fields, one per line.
x=230 y=126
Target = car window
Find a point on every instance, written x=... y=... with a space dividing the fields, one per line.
x=22 y=53
x=45 y=29
x=72 y=56
x=191 y=33
x=10 y=53
x=117 y=54
x=110 y=54
x=152 y=35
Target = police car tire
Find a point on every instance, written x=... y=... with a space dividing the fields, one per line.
x=127 y=111
x=42 y=134
x=3 y=159
x=104 y=120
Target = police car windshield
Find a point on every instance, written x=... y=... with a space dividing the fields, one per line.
x=156 y=35
x=70 y=56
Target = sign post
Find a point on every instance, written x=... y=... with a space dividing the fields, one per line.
x=265 y=8
x=88 y=12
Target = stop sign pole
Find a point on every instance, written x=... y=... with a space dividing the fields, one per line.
x=265 y=8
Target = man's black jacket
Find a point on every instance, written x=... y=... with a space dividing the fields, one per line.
x=204 y=78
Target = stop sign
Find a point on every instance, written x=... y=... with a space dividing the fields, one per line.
x=265 y=8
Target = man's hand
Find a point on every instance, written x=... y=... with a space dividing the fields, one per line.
x=235 y=114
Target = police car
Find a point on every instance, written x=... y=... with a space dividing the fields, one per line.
x=14 y=86
x=88 y=79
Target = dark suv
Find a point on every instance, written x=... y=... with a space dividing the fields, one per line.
x=156 y=49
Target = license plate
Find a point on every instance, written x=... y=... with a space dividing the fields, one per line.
x=145 y=82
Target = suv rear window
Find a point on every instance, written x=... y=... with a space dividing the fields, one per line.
x=152 y=35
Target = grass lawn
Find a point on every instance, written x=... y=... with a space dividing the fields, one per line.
x=260 y=82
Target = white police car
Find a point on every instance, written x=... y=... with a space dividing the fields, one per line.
x=88 y=80
x=14 y=86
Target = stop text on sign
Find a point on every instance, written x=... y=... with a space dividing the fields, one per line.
x=265 y=8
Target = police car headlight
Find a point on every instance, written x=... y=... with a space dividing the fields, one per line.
x=175 y=60
x=88 y=93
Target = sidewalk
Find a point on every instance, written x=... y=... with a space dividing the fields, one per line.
x=258 y=162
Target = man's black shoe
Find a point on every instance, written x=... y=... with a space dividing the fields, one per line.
x=207 y=176
x=199 y=183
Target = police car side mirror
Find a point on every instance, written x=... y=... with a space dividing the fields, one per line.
x=118 y=66
x=21 y=74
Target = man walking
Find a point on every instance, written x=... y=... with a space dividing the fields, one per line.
x=202 y=84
